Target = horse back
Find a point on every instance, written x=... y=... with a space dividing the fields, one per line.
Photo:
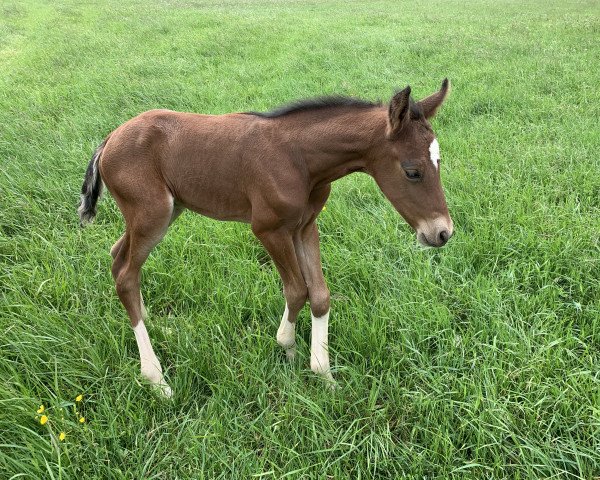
x=200 y=158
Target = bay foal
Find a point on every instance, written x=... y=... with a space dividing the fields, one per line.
x=272 y=170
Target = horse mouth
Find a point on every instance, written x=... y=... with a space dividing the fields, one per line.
x=422 y=239
x=425 y=242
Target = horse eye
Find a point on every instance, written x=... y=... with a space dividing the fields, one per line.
x=412 y=174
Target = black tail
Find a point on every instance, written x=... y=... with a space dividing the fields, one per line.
x=91 y=188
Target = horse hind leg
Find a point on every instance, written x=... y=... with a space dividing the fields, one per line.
x=116 y=248
x=119 y=259
x=146 y=226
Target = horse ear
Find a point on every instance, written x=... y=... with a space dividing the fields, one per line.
x=432 y=103
x=399 y=112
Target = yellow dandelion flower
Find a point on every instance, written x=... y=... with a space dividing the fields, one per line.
x=62 y=436
x=41 y=409
x=82 y=420
x=79 y=398
x=43 y=419
x=324 y=208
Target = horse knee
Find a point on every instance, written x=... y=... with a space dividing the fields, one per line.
x=320 y=301
x=296 y=297
x=125 y=285
x=116 y=269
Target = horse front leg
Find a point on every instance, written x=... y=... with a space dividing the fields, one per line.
x=280 y=246
x=286 y=333
x=309 y=256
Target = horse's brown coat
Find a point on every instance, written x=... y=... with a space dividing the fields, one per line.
x=272 y=172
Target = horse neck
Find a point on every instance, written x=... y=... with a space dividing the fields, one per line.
x=335 y=145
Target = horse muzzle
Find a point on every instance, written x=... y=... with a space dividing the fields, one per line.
x=435 y=233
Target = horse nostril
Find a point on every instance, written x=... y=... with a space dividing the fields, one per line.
x=444 y=236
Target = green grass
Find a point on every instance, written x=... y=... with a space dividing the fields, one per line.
x=480 y=360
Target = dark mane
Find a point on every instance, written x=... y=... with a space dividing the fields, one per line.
x=319 y=103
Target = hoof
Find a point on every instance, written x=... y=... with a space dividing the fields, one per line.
x=157 y=381
x=290 y=353
x=326 y=375
x=164 y=390
x=330 y=382
x=332 y=385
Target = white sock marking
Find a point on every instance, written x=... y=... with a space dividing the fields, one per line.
x=151 y=368
x=434 y=153
x=319 y=353
x=286 y=334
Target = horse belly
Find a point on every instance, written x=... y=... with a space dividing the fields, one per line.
x=211 y=185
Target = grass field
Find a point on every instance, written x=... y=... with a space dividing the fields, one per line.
x=479 y=360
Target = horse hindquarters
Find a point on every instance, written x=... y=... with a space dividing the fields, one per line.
x=148 y=208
